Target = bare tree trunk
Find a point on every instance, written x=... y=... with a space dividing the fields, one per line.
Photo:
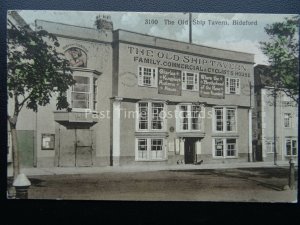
x=15 y=151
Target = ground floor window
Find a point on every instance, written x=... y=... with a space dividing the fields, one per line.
x=270 y=146
x=150 y=149
x=291 y=146
x=225 y=147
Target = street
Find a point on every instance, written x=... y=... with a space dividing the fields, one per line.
x=243 y=185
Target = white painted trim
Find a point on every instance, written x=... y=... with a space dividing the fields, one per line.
x=154 y=83
x=224 y=119
x=198 y=147
x=149 y=139
x=149 y=111
x=291 y=139
x=116 y=127
x=225 y=148
x=227 y=88
x=177 y=146
x=181 y=146
x=189 y=113
x=91 y=92
x=184 y=84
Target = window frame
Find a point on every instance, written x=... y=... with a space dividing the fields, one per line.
x=150 y=117
x=184 y=79
x=189 y=117
x=153 y=78
x=93 y=86
x=225 y=148
x=149 y=146
x=289 y=117
x=271 y=144
x=224 y=118
x=291 y=139
x=237 y=86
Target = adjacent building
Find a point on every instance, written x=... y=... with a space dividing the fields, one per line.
x=285 y=122
x=141 y=99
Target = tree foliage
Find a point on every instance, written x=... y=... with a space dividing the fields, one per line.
x=36 y=70
x=283 y=52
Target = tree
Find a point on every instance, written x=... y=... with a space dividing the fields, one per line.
x=36 y=72
x=282 y=50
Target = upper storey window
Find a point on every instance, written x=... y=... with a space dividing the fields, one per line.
x=232 y=85
x=190 y=81
x=147 y=76
x=84 y=93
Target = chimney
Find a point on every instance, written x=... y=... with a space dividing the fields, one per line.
x=103 y=22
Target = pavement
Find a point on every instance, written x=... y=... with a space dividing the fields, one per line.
x=143 y=168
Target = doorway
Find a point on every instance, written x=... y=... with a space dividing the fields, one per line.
x=75 y=148
x=258 y=157
x=190 y=150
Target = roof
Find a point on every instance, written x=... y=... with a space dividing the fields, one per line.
x=19 y=21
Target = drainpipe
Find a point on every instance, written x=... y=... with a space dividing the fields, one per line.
x=250 y=150
x=250 y=153
x=275 y=124
x=190 y=28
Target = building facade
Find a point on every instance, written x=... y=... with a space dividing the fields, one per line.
x=285 y=122
x=141 y=99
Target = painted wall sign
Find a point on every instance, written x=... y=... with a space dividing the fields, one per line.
x=169 y=81
x=212 y=86
x=182 y=61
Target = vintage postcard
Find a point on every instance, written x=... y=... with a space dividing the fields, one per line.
x=152 y=106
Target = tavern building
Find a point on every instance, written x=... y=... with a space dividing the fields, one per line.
x=141 y=99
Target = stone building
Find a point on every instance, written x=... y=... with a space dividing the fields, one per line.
x=142 y=99
x=286 y=121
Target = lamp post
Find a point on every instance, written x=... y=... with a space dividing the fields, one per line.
x=292 y=174
x=21 y=184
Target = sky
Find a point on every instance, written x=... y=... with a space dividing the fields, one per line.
x=232 y=37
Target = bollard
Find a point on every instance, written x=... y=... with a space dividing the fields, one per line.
x=292 y=174
x=21 y=184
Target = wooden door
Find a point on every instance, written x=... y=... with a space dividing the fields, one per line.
x=189 y=150
x=83 y=147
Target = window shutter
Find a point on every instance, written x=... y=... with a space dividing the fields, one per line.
x=237 y=86
x=177 y=146
x=154 y=77
x=227 y=85
x=140 y=76
x=181 y=147
x=183 y=80
x=198 y=147
x=196 y=81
